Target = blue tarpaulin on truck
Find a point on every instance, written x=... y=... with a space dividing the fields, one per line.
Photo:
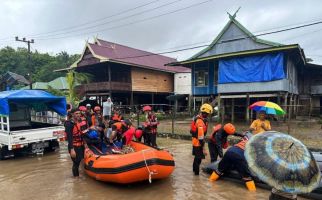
x=34 y=98
x=260 y=68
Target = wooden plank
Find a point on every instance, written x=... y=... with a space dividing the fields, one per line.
x=144 y=80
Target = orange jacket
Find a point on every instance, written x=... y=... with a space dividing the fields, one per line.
x=201 y=132
x=117 y=117
x=241 y=144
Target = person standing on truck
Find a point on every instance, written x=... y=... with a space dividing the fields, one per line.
x=198 y=132
x=75 y=128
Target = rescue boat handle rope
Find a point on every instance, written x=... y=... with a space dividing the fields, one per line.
x=146 y=165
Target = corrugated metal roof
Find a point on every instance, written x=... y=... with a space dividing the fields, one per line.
x=233 y=20
x=124 y=54
x=59 y=83
x=16 y=77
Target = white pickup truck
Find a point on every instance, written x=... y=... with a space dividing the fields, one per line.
x=22 y=132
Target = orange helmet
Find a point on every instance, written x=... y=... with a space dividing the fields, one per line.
x=147 y=108
x=229 y=128
x=97 y=108
x=82 y=108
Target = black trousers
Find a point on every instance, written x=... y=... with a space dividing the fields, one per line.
x=153 y=139
x=150 y=139
x=146 y=138
x=234 y=161
x=77 y=160
x=198 y=153
x=213 y=151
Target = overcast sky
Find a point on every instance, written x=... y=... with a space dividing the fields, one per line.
x=65 y=25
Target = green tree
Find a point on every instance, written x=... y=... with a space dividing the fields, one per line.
x=42 y=65
x=73 y=79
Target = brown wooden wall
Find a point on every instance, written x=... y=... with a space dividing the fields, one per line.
x=144 y=80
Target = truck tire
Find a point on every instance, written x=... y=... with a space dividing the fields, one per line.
x=3 y=152
x=53 y=145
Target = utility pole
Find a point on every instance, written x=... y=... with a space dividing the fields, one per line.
x=29 y=57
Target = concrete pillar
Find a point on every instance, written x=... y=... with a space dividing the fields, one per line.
x=232 y=110
x=189 y=104
x=285 y=104
x=247 y=108
x=223 y=111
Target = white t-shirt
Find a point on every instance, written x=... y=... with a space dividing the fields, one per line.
x=107 y=108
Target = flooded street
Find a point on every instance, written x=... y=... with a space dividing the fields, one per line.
x=50 y=177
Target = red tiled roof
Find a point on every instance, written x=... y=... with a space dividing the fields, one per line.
x=133 y=56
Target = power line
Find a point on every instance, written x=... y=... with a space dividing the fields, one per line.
x=92 y=21
x=115 y=20
x=224 y=41
x=29 y=56
x=291 y=38
x=131 y=23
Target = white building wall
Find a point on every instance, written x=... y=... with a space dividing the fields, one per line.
x=182 y=83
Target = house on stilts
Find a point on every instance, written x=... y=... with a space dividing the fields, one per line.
x=239 y=69
x=129 y=75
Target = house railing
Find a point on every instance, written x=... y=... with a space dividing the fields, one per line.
x=103 y=86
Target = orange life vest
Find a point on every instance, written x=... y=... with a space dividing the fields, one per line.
x=194 y=128
x=117 y=117
x=77 y=133
x=201 y=131
x=241 y=144
x=118 y=126
x=214 y=132
x=151 y=124
x=213 y=136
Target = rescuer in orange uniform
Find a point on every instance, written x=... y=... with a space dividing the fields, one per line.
x=198 y=131
x=234 y=159
x=75 y=128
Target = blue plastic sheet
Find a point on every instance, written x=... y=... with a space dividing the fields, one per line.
x=32 y=98
x=260 y=68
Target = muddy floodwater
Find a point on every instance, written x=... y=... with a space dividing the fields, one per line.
x=49 y=177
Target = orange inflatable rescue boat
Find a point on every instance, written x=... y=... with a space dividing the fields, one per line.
x=145 y=163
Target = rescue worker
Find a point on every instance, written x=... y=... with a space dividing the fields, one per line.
x=138 y=134
x=118 y=129
x=75 y=129
x=218 y=140
x=117 y=117
x=151 y=128
x=234 y=159
x=261 y=124
x=82 y=109
x=199 y=130
x=97 y=118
